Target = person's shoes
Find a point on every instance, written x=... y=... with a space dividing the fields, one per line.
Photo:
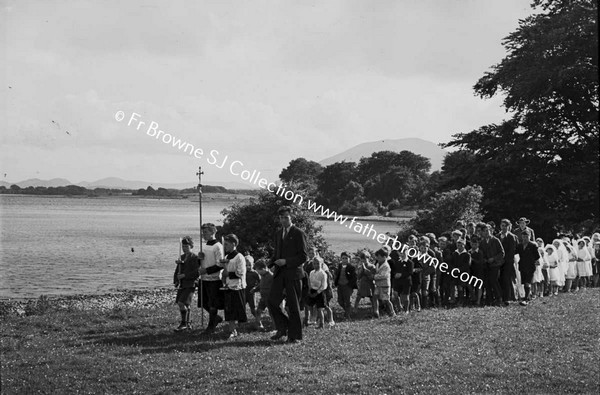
x=182 y=327
x=506 y=304
x=320 y=326
x=293 y=341
x=218 y=320
x=331 y=324
x=305 y=323
x=232 y=335
x=278 y=335
x=523 y=303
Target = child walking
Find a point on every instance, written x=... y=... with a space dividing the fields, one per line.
x=477 y=269
x=317 y=281
x=382 y=277
x=264 y=288
x=185 y=277
x=553 y=269
x=366 y=270
x=252 y=281
x=583 y=264
x=235 y=294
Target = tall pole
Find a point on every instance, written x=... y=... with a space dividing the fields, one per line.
x=199 y=174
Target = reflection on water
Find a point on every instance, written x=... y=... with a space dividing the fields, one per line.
x=58 y=245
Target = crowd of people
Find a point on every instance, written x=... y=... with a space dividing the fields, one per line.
x=510 y=266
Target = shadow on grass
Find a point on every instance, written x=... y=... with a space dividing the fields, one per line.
x=164 y=341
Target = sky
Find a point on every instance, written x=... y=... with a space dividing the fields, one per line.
x=260 y=82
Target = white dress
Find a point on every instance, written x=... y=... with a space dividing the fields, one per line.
x=563 y=264
x=553 y=272
x=584 y=267
x=538 y=276
x=572 y=269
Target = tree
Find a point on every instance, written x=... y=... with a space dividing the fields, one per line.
x=543 y=162
x=388 y=175
x=304 y=174
x=256 y=220
x=333 y=180
x=301 y=170
x=445 y=208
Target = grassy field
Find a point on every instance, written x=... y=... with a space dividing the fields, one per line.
x=551 y=346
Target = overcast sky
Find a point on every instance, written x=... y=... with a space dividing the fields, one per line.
x=262 y=82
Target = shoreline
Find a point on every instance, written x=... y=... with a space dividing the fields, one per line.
x=138 y=298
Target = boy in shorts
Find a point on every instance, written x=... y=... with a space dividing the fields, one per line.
x=317 y=283
x=264 y=287
x=383 y=275
x=184 y=278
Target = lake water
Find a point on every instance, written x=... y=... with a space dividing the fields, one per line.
x=62 y=246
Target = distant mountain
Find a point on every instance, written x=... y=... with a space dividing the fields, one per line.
x=119 y=183
x=418 y=146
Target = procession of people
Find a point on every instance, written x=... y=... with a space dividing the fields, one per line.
x=514 y=266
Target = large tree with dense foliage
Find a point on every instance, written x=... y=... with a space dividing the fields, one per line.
x=301 y=170
x=543 y=161
x=334 y=184
x=256 y=220
x=387 y=176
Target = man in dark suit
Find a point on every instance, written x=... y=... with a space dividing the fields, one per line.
x=290 y=254
x=508 y=273
x=493 y=253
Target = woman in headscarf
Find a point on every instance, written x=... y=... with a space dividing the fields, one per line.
x=584 y=263
x=553 y=269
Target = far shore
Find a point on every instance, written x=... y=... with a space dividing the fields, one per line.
x=399 y=216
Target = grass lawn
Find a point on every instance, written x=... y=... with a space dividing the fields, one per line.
x=551 y=346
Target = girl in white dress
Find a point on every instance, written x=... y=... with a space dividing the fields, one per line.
x=537 y=283
x=571 y=274
x=584 y=263
x=563 y=261
x=590 y=248
x=553 y=269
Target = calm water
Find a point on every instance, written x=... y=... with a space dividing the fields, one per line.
x=60 y=246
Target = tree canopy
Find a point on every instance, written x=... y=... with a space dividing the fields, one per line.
x=543 y=161
x=300 y=170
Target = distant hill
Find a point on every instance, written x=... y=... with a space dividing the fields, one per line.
x=119 y=183
x=418 y=146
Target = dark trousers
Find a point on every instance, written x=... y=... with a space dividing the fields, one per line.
x=344 y=294
x=293 y=292
x=493 y=291
x=251 y=301
x=507 y=278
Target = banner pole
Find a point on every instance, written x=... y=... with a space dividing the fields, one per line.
x=199 y=174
